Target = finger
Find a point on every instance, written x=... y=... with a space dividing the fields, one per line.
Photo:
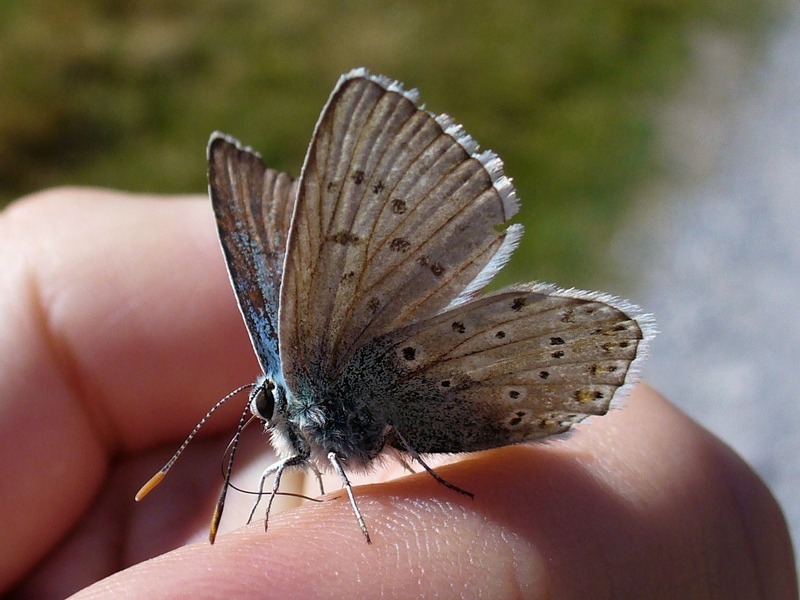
x=118 y=328
x=114 y=533
x=642 y=503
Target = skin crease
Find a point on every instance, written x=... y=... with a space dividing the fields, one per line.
x=119 y=329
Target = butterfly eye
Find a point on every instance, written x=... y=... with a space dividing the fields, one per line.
x=262 y=402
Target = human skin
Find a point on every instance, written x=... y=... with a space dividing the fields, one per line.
x=118 y=330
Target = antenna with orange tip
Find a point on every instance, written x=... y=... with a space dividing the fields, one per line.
x=159 y=477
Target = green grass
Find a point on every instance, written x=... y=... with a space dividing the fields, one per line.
x=125 y=94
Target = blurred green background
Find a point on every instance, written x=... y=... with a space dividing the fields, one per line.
x=125 y=94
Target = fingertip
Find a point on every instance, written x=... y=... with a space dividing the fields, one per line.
x=599 y=515
x=417 y=547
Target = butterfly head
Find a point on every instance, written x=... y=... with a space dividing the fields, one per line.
x=262 y=399
x=268 y=401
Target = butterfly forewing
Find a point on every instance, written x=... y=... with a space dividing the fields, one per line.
x=396 y=216
x=253 y=207
x=510 y=367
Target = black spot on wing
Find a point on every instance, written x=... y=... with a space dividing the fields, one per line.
x=345 y=238
x=400 y=245
x=436 y=268
x=399 y=206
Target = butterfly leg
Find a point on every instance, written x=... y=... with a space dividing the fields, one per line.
x=337 y=466
x=405 y=465
x=262 y=482
x=277 y=468
x=318 y=475
x=415 y=455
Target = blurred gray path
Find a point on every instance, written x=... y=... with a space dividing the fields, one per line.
x=721 y=259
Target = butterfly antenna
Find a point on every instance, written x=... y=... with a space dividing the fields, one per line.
x=158 y=477
x=233 y=486
x=244 y=420
x=229 y=447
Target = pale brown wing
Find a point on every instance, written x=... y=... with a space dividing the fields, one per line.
x=253 y=206
x=513 y=366
x=396 y=219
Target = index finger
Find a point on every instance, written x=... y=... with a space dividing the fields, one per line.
x=118 y=328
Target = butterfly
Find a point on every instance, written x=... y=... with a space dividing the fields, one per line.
x=362 y=287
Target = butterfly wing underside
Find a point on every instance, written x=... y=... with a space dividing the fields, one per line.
x=253 y=207
x=396 y=219
x=497 y=370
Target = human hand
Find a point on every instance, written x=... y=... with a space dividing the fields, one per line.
x=120 y=329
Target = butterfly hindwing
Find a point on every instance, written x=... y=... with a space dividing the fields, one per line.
x=512 y=366
x=253 y=207
x=396 y=219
